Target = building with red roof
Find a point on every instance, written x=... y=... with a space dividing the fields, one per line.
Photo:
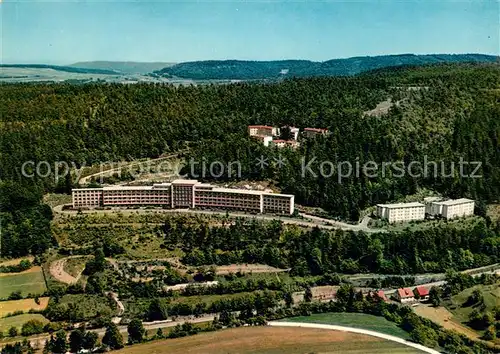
x=422 y=293
x=405 y=295
x=264 y=130
x=381 y=295
x=313 y=132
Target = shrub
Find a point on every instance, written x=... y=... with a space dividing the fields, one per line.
x=32 y=327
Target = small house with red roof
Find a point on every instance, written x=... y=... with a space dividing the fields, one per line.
x=422 y=293
x=377 y=295
x=313 y=132
x=381 y=295
x=405 y=295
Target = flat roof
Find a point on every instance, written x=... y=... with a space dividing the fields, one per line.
x=455 y=201
x=316 y=129
x=401 y=205
x=432 y=199
x=260 y=126
x=244 y=191
x=198 y=186
x=185 y=181
x=87 y=189
x=131 y=188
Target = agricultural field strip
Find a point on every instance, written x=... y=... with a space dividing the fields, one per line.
x=354 y=330
x=24 y=305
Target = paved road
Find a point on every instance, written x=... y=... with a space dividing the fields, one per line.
x=308 y=221
x=355 y=330
x=39 y=341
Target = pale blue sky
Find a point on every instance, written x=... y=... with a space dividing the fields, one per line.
x=63 y=32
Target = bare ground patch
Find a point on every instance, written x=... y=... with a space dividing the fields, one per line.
x=443 y=317
x=57 y=270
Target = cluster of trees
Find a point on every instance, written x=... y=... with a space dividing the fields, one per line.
x=457 y=282
x=23 y=265
x=452 y=115
x=161 y=308
x=433 y=249
x=25 y=221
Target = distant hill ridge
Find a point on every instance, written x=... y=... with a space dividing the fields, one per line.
x=62 y=68
x=254 y=70
x=124 y=67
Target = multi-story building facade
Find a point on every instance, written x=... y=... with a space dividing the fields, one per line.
x=185 y=194
x=401 y=212
x=452 y=208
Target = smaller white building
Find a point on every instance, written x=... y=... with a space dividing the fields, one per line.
x=401 y=211
x=453 y=208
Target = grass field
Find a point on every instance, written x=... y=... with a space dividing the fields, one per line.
x=491 y=294
x=356 y=320
x=272 y=340
x=28 y=282
x=445 y=318
x=19 y=320
x=22 y=305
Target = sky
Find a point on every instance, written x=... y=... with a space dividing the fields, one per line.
x=64 y=32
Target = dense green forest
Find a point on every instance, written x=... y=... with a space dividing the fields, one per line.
x=258 y=70
x=445 y=112
x=319 y=252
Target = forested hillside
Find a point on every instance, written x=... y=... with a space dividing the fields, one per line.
x=445 y=112
x=255 y=70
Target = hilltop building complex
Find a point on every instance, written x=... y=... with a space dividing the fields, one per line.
x=433 y=207
x=401 y=212
x=269 y=136
x=184 y=194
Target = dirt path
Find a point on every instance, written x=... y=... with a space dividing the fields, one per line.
x=109 y=172
x=355 y=330
x=57 y=271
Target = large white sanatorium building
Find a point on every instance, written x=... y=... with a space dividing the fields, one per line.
x=452 y=208
x=448 y=209
x=401 y=211
x=184 y=194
